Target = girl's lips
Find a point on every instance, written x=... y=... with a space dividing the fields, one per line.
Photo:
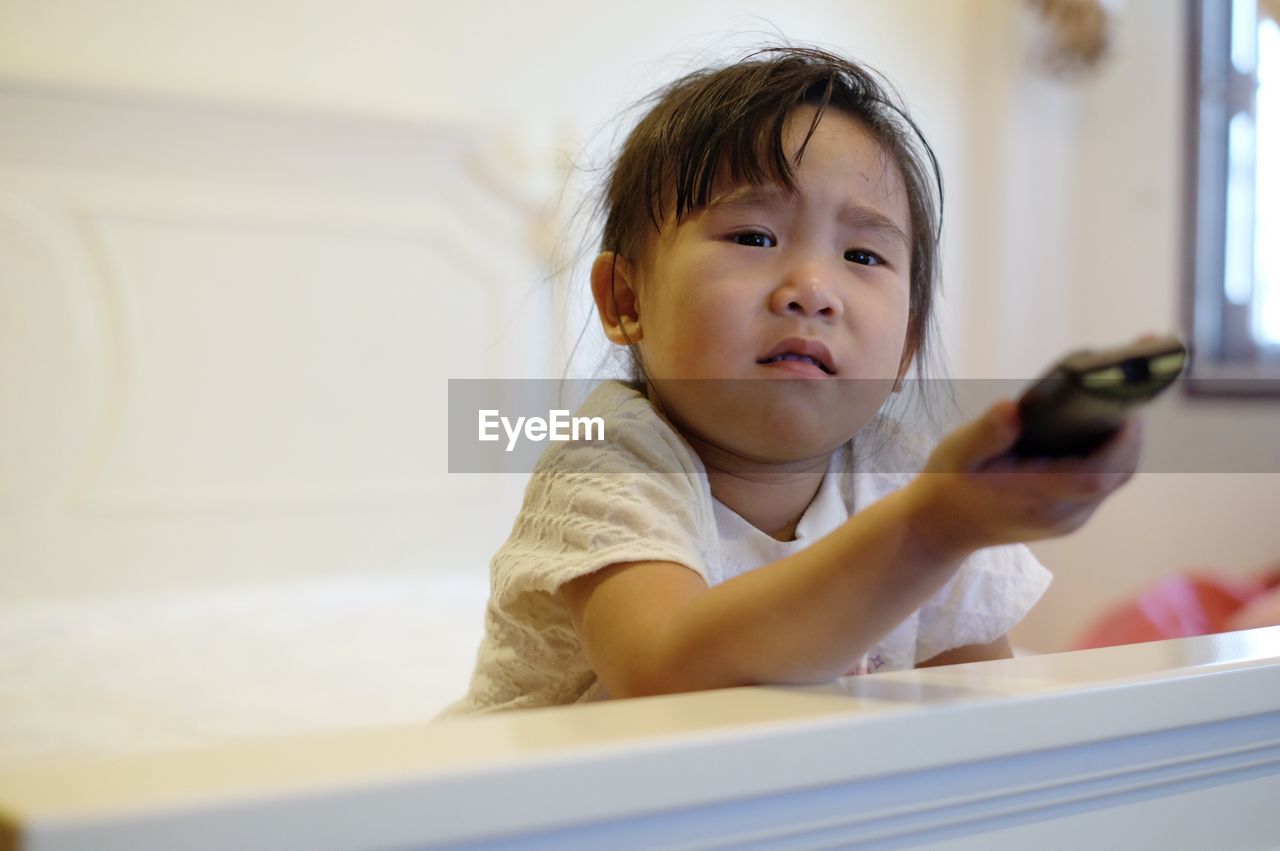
x=802 y=350
x=799 y=368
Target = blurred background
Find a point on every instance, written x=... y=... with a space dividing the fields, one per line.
x=243 y=246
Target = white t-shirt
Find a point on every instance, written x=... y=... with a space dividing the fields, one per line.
x=642 y=495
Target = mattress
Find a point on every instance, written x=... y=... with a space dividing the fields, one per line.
x=156 y=671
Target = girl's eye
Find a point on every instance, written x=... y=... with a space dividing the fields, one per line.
x=864 y=258
x=755 y=239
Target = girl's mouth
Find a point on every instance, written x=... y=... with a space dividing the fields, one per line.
x=792 y=356
x=808 y=353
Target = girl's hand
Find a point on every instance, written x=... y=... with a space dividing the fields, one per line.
x=974 y=493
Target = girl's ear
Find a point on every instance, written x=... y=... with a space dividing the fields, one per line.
x=613 y=284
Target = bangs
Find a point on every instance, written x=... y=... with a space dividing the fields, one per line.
x=714 y=139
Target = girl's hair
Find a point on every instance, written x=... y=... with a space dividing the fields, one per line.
x=730 y=121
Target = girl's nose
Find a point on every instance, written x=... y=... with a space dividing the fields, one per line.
x=806 y=292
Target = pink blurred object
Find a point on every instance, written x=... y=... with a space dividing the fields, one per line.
x=1263 y=610
x=1195 y=604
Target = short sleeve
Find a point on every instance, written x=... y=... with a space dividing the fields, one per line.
x=636 y=498
x=990 y=593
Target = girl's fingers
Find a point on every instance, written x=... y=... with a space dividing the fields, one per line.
x=1121 y=453
x=1107 y=468
x=989 y=436
x=1072 y=479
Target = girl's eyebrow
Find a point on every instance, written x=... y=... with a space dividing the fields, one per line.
x=856 y=215
x=750 y=195
x=864 y=217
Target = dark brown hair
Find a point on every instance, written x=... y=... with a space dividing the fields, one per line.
x=730 y=120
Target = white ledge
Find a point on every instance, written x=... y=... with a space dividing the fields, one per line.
x=1117 y=739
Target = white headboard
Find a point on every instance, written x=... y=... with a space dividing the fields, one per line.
x=226 y=334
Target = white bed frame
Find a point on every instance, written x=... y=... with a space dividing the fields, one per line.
x=226 y=333
x=1171 y=744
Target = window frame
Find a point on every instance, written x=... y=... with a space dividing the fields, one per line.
x=1226 y=361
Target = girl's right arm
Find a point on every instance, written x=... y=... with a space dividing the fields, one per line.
x=655 y=627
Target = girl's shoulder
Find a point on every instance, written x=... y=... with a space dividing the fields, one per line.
x=634 y=495
x=634 y=437
x=620 y=404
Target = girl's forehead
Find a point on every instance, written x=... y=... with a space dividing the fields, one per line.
x=840 y=163
x=840 y=143
x=804 y=122
x=840 y=133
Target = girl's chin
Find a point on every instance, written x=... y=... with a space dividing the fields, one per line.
x=727 y=451
x=776 y=422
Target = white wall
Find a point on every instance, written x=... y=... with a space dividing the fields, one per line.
x=1063 y=217
x=1081 y=243
x=564 y=60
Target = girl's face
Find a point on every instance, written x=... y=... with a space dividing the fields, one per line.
x=773 y=325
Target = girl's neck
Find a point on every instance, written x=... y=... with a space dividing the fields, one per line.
x=771 y=497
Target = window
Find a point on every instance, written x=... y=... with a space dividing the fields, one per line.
x=1234 y=196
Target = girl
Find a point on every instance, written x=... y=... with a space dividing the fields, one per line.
x=769 y=257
